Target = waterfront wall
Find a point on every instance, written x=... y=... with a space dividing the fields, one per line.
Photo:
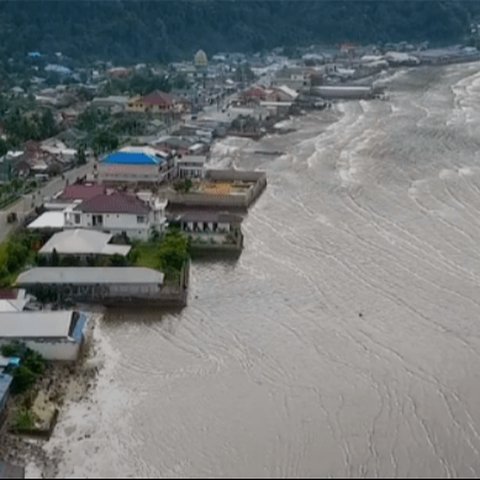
x=169 y=295
x=240 y=200
x=53 y=350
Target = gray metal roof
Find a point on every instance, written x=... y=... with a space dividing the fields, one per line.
x=83 y=241
x=42 y=324
x=90 y=275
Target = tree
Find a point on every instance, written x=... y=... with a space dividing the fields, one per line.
x=48 y=126
x=81 y=156
x=183 y=186
x=105 y=141
x=173 y=252
x=118 y=260
x=54 y=258
x=33 y=361
x=23 y=379
x=3 y=147
x=16 y=255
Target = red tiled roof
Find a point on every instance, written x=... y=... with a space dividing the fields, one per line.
x=116 y=202
x=81 y=192
x=255 y=92
x=158 y=98
x=8 y=293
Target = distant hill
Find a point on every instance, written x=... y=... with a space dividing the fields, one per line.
x=135 y=30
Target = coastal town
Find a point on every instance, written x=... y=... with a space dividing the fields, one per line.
x=109 y=191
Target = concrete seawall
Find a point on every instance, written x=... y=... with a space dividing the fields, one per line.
x=170 y=295
x=238 y=200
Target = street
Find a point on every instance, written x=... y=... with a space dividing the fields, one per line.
x=27 y=203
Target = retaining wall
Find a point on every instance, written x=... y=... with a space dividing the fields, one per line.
x=240 y=200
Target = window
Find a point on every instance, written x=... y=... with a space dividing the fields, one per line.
x=140 y=219
x=77 y=218
x=97 y=220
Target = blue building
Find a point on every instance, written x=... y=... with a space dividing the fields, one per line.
x=139 y=165
x=132 y=158
x=5 y=383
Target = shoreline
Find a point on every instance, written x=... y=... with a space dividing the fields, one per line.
x=62 y=384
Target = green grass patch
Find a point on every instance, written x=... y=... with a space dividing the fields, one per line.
x=24 y=419
x=146 y=255
x=168 y=255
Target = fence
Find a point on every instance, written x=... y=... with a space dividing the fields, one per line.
x=257 y=179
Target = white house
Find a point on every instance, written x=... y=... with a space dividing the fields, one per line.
x=190 y=166
x=118 y=212
x=13 y=300
x=82 y=243
x=56 y=335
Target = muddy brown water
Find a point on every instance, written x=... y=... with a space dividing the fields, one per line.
x=345 y=341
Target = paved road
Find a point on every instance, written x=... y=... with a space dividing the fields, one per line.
x=28 y=202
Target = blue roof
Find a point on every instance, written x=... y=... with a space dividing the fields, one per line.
x=132 y=158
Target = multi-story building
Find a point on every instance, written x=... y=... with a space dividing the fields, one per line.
x=135 y=166
x=118 y=213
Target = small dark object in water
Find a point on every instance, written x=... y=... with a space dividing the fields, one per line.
x=360 y=314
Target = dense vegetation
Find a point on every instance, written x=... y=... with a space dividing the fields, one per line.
x=134 y=31
x=168 y=255
x=32 y=366
x=16 y=252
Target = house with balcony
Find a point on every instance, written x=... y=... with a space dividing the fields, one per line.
x=190 y=166
x=155 y=102
x=118 y=213
x=210 y=231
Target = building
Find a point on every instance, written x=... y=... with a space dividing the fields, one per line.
x=295 y=78
x=13 y=300
x=5 y=383
x=109 y=285
x=190 y=166
x=112 y=103
x=8 y=470
x=135 y=165
x=174 y=144
x=283 y=93
x=221 y=189
x=49 y=221
x=253 y=95
x=155 y=102
x=82 y=243
x=200 y=59
x=119 y=72
x=277 y=109
x=9 y=164
x=56 y=335
x=210 y=231
x=345 y=92
x=206 y=223
x=117 y=213
x=72 y=194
